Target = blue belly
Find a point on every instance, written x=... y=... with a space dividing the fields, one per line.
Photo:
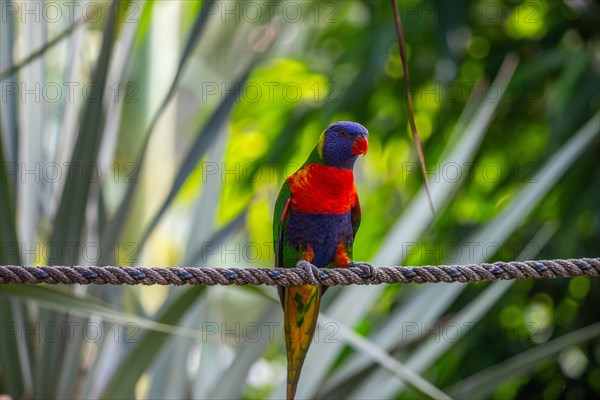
x=322 y=232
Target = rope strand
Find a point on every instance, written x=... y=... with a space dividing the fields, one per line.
x=306 y=273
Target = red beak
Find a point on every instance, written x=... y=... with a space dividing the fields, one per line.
x=360 y=146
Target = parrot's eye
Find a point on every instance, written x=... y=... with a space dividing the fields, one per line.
x=344 y=133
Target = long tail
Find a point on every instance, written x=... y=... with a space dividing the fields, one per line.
x=301 y=311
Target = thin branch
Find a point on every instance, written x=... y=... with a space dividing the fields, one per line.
x=411 y=112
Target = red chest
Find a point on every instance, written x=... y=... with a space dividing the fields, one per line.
x=319 y=189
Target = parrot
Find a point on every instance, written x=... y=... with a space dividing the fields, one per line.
x=316 y=217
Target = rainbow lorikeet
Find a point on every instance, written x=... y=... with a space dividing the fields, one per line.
x=316 y=217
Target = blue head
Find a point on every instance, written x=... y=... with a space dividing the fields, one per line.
x=342 y=143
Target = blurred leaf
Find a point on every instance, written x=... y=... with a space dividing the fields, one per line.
x=115 y=225
x=11 y=378
x=13 y=69
x=8 y=105
x=393 y=366
x=232 y=380
x=9 y=248
x=68 y=226
x=199 y=256
x=167 y=379
x=515 y=212
x=140 y=358
x=204 y=140
x=485 y=382
x=63 y=301
x=205 y=205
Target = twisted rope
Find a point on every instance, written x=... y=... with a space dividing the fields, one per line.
x=358 y=274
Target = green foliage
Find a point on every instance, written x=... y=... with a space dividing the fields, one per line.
x=203 y=109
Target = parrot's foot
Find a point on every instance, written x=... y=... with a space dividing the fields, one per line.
x=310 y=269
x=367 y=271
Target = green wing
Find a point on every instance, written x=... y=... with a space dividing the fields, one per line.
x=279 y=223
x=355 y=215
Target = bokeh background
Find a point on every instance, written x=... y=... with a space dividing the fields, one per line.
x=158 y=133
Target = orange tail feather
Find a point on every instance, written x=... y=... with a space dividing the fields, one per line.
x=301 y=311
